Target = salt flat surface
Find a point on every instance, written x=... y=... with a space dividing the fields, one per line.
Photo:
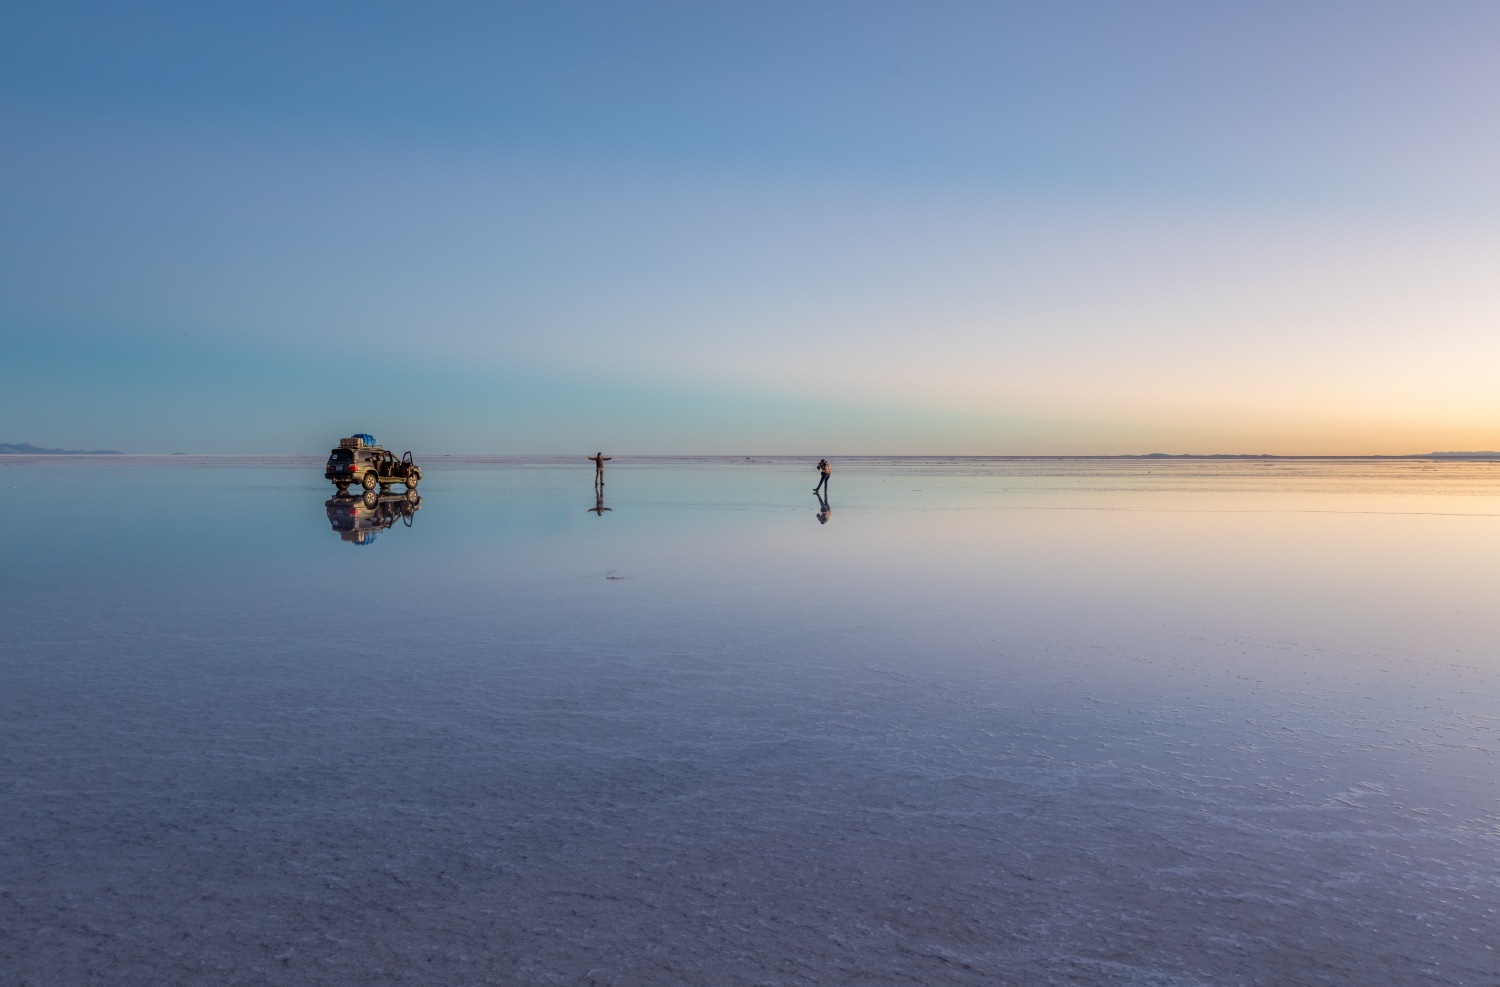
x=1056 y=722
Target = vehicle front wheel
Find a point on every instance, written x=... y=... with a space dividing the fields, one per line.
x=411 y=480
x=369 y=481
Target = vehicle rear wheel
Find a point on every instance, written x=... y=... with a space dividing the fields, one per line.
x=371 y=498
x=342 y=488
x=369 y=480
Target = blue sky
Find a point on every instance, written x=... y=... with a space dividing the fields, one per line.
x=826 y=228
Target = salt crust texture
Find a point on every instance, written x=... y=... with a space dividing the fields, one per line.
x=716 y=778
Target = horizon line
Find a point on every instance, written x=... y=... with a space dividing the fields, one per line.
x=1474 y=455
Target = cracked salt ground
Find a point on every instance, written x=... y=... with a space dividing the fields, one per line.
x=1040 y=723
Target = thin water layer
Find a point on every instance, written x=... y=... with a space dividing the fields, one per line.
x=964 y=722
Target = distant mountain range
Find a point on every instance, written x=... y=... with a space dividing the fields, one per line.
x=1267 y=455
x=27 y=449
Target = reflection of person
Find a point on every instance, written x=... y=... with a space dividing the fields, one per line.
x=599 y=507
x=825 y=469
x=599 y=461
x=824 y=511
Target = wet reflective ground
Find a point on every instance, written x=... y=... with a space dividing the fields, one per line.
x=967 y=722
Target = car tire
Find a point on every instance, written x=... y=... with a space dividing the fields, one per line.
x=371 y=498
x=369 y=480
x=411 y=481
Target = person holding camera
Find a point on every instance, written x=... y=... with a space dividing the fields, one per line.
x=825 y=469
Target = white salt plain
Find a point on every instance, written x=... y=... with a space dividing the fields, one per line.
x=996 y=722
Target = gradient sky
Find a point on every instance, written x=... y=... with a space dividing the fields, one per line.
x=815 y=228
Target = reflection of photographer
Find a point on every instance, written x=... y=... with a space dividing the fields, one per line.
x=825 y=469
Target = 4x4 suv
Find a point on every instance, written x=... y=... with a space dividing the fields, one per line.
x=358 y=459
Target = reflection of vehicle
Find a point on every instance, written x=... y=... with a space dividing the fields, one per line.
x=358 y=459
x=358 y=517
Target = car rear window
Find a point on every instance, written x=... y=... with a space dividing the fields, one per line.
x=341 y=456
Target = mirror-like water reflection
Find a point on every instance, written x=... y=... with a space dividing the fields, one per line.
x=1099 y=722
x=358 y=519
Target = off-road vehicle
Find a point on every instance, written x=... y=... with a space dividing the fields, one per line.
x=359 y=459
